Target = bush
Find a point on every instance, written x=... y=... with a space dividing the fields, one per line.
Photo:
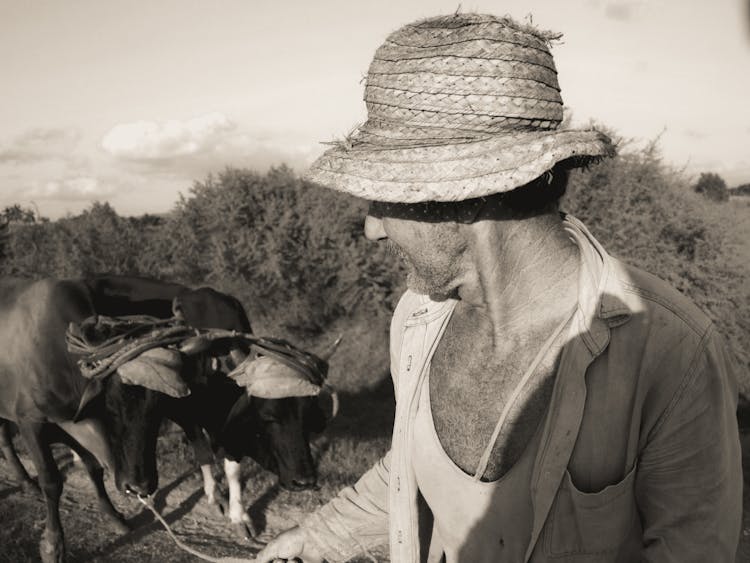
x=294 y=253
x=712 y=186
x=645 y=212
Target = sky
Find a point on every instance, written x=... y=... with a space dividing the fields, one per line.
x=133 y=101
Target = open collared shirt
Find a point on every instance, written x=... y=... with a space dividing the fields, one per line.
x=639 y=459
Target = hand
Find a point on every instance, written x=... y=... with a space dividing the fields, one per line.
x=290 y=545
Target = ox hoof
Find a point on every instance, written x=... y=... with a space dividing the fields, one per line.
x=245 y=532
x=51 y=548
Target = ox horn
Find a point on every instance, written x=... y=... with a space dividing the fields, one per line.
x=326 y=354
x=329 y=390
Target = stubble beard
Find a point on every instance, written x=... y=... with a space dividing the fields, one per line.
x=427 y=277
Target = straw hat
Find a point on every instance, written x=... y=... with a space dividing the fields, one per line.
x=459 y=107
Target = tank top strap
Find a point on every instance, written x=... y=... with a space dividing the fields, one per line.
x=484 y=460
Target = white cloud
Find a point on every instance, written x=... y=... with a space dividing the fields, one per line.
x=151 y=141
x=80 y=188
x=39 y=144
x=695 y=134
x=622 y=10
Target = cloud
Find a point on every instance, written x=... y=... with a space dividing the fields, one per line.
x=694 y=134
x=39 y=144
x=188 y=150
x=622 y=10
x=79 y=188
x=144 y=141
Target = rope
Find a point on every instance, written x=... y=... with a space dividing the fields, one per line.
x=148 y=504
x=131 y=337
x=128 y=337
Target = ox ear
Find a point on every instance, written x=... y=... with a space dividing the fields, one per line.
x=157 y=369
x=237 y=414
x=90 y=392
x=214 y=346
x=177 y=309
x=268 y=378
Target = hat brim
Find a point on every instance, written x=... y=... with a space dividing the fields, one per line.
x=452 y=171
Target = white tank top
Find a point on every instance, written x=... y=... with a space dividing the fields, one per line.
x=477 y=521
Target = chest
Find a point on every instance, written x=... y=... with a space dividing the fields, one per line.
x=473 y=383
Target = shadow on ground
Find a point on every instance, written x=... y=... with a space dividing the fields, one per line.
x=366 y=414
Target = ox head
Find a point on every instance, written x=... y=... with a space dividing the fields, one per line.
x=280 y=407
x=130 y=401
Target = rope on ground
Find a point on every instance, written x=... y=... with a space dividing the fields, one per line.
x=148 y=504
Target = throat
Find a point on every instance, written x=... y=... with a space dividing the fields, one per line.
x=479 y=383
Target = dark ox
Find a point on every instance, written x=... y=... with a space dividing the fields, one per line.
x=274 y=432
x=42 y=390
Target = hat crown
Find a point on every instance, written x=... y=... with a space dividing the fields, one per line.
x=463 y=74
x=459 y=106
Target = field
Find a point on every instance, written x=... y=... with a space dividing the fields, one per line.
x=294 y=255
x=355 y=441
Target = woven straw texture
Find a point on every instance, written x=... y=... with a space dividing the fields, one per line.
x=459 y=106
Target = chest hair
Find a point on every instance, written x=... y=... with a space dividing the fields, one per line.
x=471 y=379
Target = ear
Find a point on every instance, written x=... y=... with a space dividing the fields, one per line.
x=237 y=412
x=92 y=390
x=220 y=343
x=177 y=309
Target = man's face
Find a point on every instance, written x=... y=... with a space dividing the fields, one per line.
x=426 y=236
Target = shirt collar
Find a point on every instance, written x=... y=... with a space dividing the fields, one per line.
x=602 y=300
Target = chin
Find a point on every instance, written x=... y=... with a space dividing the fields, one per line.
x=436 y=292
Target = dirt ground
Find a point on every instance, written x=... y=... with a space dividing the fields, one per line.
x=90 y=538
x=351 y=444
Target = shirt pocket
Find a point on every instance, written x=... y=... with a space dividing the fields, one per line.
x=594 y=523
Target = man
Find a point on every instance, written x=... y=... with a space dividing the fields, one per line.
x=553 y=404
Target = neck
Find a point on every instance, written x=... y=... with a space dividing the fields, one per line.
x=520 y=274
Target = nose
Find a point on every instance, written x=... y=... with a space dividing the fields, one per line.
x=304 y=483
x=141 y=489
x=374 y=228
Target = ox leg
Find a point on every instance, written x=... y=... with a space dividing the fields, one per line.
x=209 y=483
x=52 y=545
x=205 y=458
x=96 y=474
x=19 y=471
x=239 y=518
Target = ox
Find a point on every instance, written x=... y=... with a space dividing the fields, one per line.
x=219 y=417
x=43 y=391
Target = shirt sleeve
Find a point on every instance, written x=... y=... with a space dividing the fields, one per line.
x=689 y=481
x=356 y=519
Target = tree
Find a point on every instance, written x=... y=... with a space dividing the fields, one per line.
x=712 y=186
x=17 y=214
x=4 y=236
x=742 y=190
